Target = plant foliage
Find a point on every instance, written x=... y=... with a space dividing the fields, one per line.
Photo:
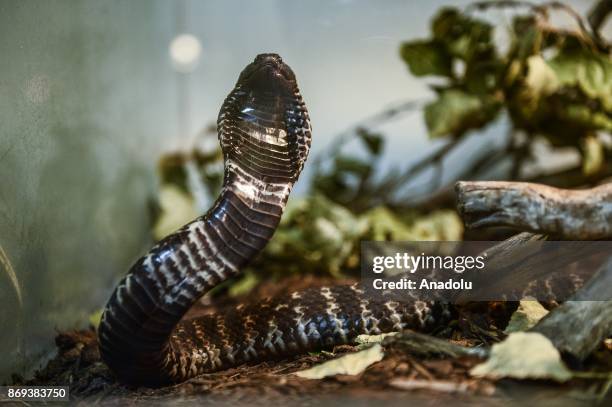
x=552 y=83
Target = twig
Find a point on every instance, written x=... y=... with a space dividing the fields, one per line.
x=368 y=123
x=597 y=16
x=431 y=159
x=425 y=345
x=542 y=11
x=383 y=192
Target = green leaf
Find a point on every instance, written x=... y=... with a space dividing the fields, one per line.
x=528 y=37
x=352 y=165
x=373 y=141
x=464 y=37
x=319 y=233
x=580 y=115
x=590 y=72
x=437 y=225
x=385 y=225
x=427 y=58
x=524 y=355
x=541 y=79
x=540 y=82
x=456 y=112
x=483 y=76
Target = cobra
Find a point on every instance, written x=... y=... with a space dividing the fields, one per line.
x=265 y=134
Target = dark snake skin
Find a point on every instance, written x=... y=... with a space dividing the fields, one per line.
x=265 y=133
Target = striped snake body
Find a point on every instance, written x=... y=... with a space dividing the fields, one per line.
x=265 y=134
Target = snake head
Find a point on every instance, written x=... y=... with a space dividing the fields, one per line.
x=268 y=74
x=263 y=125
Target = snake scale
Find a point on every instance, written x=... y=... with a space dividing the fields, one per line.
x=265 y=134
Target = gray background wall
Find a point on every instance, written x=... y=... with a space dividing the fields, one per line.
x=89 y=99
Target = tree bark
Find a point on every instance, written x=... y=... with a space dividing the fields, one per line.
x=569 y=214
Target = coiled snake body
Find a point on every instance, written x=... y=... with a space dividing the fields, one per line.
x=264 y=131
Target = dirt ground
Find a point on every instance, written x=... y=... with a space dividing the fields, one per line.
x=399 y=378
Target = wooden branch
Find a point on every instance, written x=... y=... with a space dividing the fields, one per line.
x=579 y=326
x=568 y=214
